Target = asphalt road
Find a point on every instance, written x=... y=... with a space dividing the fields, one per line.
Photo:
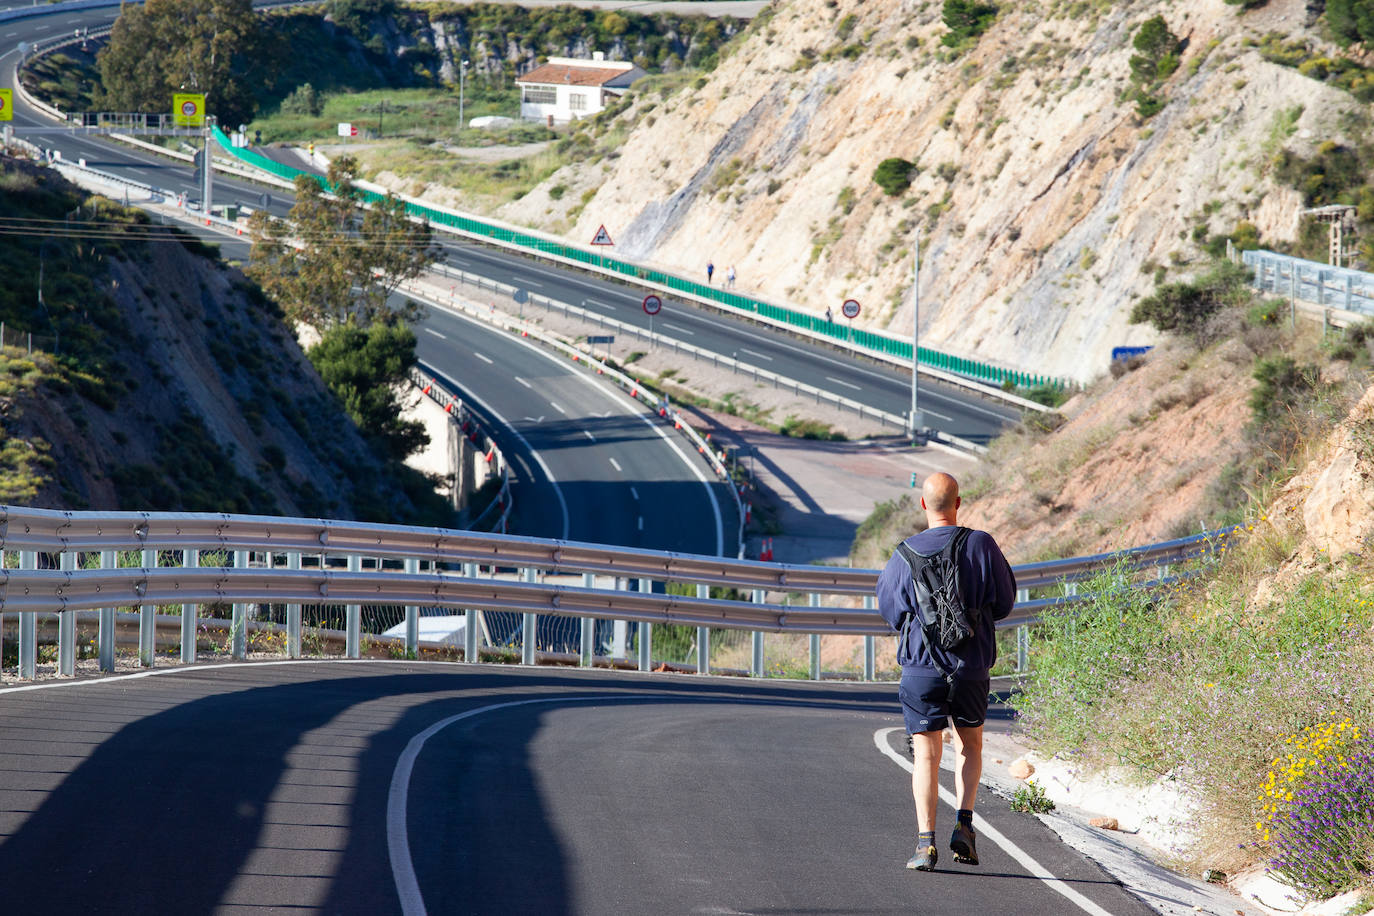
x=351 y=787
x=946 y=408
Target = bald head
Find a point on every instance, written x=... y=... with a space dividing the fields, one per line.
x=940 y=499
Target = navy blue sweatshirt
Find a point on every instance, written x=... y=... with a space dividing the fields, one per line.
x=988 y=583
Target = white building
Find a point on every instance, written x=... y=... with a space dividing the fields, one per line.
x=567 y=88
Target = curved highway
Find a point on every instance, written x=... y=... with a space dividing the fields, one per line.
x=883 y=387
x=376 y=788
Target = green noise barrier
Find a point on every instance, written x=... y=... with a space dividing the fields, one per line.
x=875 y=343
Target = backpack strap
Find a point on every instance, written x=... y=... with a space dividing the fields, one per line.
x=916 y=562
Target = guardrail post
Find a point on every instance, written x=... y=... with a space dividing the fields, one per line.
x=703 y=636
x=66 y=625
x=870 y=647
x=353 y=626
x=815 y=653
x=529 y=630
x=190 y=559
x=1022 y=635
x=28 y=627
x=756 y=661
x=293 y=614
x=588 y=627
x=646 y=633
x=412 y=615
x=471 y=623
x=105 y=639
x=238 y=632
x=147 y=619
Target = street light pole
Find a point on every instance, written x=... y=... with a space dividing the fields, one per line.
x=915 y=338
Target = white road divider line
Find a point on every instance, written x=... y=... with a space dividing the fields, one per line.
x=588 y=434
x=436 y=333
x=755 y=353
x=523 y=382
x=831 y=378
x=601 y=305
x=634 y=493
x=641 y=523
x=559 y=409
x=680 y=329
x=484 y=358
x=983 y=828
x=616 y=464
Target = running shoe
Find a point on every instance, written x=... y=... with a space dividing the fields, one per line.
x=962 y=844
x=924 y=859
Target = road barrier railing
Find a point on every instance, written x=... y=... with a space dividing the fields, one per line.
x=1311 y=281
x=297 y=563
x=496 y=515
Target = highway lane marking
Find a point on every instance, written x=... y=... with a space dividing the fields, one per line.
x=398 y=796
x=616 y=464
x=534 y=283
x=831 y=378
x=755 y=353
x=485 y=359
x=940 y=415
x=678 y=327
x=983 y=828
x=601 y=305
x=641 y=523
x=588 y=434
x=559 y=409
x=436 y=333
x=525 y=383
x=634 y=493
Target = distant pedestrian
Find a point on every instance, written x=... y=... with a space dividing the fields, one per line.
x=710 y=272
x=939 y=684
x=829 y=316
x=730 y=276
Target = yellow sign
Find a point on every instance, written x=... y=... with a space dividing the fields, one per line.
x=188 y=109
x=6 y=105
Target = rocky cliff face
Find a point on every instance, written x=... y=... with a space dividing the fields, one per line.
x=1043 y=203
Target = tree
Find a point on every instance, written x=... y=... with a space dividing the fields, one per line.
x=327 y=266
x=1351 y=20
x=1158 y=50
x=364 y=368
x=167 y=46
x=966 y=20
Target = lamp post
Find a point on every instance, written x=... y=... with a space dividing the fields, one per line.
x=915 y=338
x=462 y=78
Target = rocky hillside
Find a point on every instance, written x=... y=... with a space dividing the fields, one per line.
x=1044 y=202
x=174 y=384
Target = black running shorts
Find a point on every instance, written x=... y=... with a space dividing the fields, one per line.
x=927 y=705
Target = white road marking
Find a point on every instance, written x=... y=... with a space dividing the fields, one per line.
x=535 y=284
x=634 y=493
x=523 y=382
x=398 y=796
x=436 y=333
x=601 y=305
x=928 y=412
x=559 y=409
x=831 y=378
x=755 y=353
x=486 y=359
x=680 y=329
x=641 y=523
x=983 y=828
x=616 y=464
x=588 y=434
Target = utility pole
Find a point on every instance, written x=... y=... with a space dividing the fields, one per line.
x=916 y=424
x=207 y=180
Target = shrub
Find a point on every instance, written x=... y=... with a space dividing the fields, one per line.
x=303 y=100
x=1031 y=799
x=1317 y=808
x=893 y=176
x=1280 y=381
x=966 y=20
x=1185 y=308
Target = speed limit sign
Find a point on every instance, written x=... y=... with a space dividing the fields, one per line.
x=652 y=304
x=850 y=309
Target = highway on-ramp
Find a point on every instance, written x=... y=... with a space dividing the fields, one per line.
x=401 y=787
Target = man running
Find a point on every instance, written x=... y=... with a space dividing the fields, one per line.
x=942 y=684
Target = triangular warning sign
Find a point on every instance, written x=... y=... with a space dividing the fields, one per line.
x=602 y=237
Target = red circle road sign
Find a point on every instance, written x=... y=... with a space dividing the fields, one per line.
x=850 y=309
x=2 y=103
x=188 y=108
x=652 y=304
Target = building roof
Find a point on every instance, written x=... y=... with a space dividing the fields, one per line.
x=566 y=75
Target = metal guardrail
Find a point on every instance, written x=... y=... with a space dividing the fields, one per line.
x=1312 y=281
x=460 y=416
x=52 y=545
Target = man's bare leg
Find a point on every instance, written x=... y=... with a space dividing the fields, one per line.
x=968 y=748
x=926 y=748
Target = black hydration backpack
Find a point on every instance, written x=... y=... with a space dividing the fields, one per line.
x=944 y=619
